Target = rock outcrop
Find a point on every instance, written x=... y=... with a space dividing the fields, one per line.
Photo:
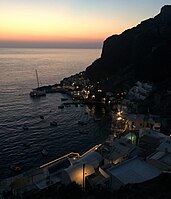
x=145 y=50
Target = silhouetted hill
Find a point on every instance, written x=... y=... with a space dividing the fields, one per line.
x=142 y=52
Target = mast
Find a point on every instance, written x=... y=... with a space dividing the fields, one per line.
x=37 y=78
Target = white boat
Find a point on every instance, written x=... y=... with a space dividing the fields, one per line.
x=37 y=92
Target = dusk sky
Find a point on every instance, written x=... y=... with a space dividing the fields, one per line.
x=70 y=23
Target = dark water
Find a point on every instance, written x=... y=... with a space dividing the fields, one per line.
x=17 y=77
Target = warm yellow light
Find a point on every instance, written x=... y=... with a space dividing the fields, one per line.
x=119 y=118
x=119 y=113
x=93 y=96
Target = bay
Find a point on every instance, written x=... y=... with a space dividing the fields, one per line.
x=17 y=78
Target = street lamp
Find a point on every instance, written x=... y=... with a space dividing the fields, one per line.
x=83 y=178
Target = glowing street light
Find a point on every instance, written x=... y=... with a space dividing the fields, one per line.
x=119 y=118
x=83 y=177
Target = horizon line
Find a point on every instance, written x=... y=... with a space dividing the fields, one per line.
x=48 y=47
x=52 y=44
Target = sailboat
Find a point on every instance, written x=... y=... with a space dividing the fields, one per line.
x=37 y=92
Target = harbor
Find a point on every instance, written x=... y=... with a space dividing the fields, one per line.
x=96 y=167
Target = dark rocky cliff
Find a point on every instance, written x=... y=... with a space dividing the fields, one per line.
x=145 y=50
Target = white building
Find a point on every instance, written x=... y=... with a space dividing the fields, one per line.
x=74 y=173
x=118 y=150
x=130 y=172
x=140 y=91
x=161 y=158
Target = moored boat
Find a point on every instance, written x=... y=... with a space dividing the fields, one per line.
x=42 y=117
x=64 y=99
x=82 y=122
x=25 y=127
x=15 y=168
x=53 y=123
x=44 y=152
x=27 y=145
x=61 y=107
x=37 y=92
x=97 y=119
x=83 y=131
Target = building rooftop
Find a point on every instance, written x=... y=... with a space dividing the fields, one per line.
x=165 y=146
x=163 y=157
x=133 y=171
x=117 y=148
x=97 y=179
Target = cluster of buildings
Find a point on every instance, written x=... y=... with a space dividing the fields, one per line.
x=81 y=87
x=78 y=85
x=140 y=91
x=135 y=157
x=135 y=151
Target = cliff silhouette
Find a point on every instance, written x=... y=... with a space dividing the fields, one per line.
x=142 y=52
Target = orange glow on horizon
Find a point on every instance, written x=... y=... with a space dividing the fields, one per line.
x=50 y=38
x=35 y=23
x=28 y=24
x=43 y=35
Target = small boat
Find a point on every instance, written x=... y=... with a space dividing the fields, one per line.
x=37 y=92
x=97 y=119
x=64 y=99
x=67 y=105
x=27 y=145
x=53 y=123
x=61 y=107
x=82 y=122
x=42 y=117
x=44 y=152
x=15 y=168
x=83 y=131
x=25 y=127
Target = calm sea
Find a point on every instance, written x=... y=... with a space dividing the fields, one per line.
x=17 y=78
